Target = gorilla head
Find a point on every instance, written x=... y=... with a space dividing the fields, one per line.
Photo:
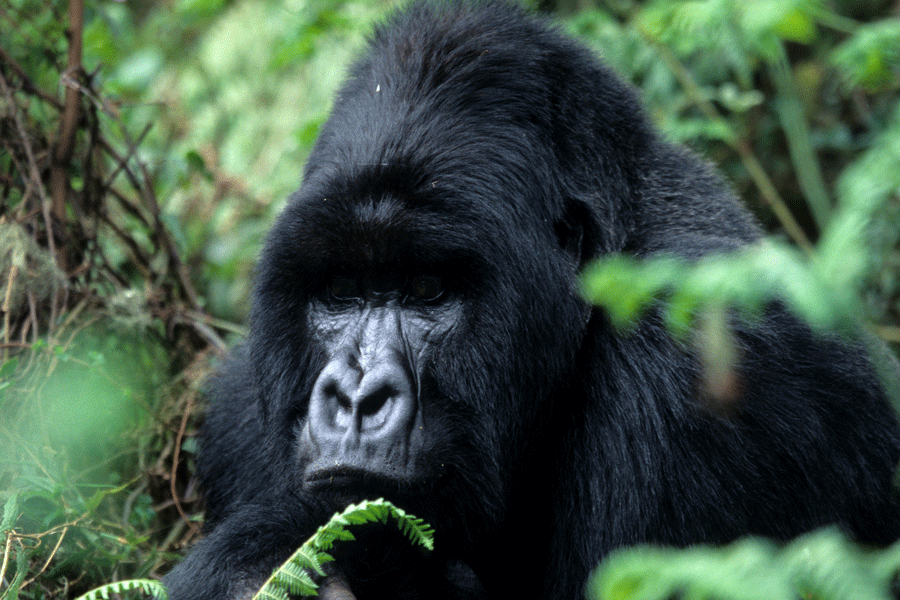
x=417 y=333
x=424 y=277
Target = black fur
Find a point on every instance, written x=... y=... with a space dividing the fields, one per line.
x=479 y=144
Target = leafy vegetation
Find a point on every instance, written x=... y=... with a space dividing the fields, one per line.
x=819 y=565
x=138 y=174
x=149 y=587
x=293 y=577
x=823 y=284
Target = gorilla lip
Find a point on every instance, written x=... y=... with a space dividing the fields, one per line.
x=360 y=481
x=341 y=476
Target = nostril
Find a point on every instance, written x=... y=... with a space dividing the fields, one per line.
x=376 y=408
x=332 y=390
x=348 y=406
x=340 y=412
x=373 y=402
x=331 y=409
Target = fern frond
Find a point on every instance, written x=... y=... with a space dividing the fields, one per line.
x=309 y=558
x=148 y=586
x=272 y=593
x=293 y=577
x=416 y=529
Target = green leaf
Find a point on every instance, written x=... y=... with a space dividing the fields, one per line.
x=147 y=586
x=293 y=575
x=797 y=26
x=10 y=512
x=98 y=497
x=871 y=56
x=823 y=564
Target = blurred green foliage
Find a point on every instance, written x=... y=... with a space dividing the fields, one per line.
x=823 y=287
x=809 y=93
x=220 y=101
x=822 y=564
x=73 y=438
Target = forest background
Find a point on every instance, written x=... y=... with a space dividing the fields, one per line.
x=145 y=147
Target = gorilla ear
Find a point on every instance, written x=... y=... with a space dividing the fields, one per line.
x=573 y=233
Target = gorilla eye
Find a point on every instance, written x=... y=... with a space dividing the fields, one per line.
x=343 y=288
x=426 y=287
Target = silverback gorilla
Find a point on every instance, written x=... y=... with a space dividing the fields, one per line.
x=417 y=333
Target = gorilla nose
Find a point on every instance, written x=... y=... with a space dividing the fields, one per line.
x=352 y=410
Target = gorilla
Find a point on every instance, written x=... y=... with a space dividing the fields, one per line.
x=417 y=333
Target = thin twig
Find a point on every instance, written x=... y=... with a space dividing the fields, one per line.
x=142 y=185
x=132 y=149
x=6 y=549
x=49 y=558
x=181 y=272
x=33 y=172
x=175 y=458
x=132 y=209
x=28 y=86
x=65 y=146
x=7 y=298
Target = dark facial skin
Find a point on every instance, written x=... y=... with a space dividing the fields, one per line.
x=364 y=417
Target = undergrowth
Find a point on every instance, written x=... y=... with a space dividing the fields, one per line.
x=145 y=147
x=295 y=575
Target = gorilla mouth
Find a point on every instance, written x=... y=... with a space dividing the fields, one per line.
x=362 y=482
x=344 y=476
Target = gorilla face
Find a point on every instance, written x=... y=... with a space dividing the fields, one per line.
x=429 y=336
x=378 y=330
